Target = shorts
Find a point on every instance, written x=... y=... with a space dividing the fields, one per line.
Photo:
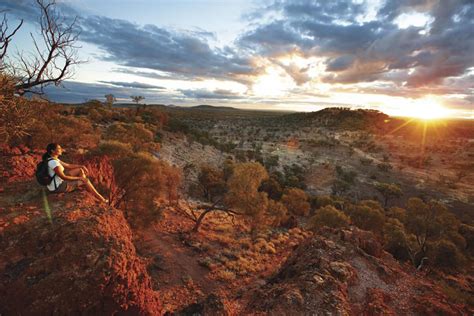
x=67 y=186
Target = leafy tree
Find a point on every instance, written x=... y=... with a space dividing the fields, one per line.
x=136 y=134
x=447 y=255
x=296 y=201
x=243 y=194
x=272 y=187
x=228 y=168
x=347 y=176
x=423 y=219
x=467 y=231
x=388 y=191
x=344 y=181
x=339 y=187
x=328 y=216
x=143 y=181
x=212 y=182
x=396 y=239
x=368 y=215
x=398 y=213
x=294 y=176
x=427 y=221
x=278 y=212
x=271 y=162
x=321 y=201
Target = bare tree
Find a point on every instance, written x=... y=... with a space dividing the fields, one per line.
x=110 y=99
x=137 y=98
x=6 y=37
x=197 y=213
x=54 y=52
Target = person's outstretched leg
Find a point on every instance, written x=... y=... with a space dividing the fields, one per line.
x=89 y=186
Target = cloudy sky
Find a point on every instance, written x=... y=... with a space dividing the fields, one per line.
x=402 y=57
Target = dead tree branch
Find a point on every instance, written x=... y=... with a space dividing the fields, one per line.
x=6 y=37
x=212 y=208
x=54 y=54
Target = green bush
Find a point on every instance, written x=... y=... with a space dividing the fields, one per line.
x=447 y=255
x=296 y=201
x=395 y=239
x=368 y=215
x=328 y=216
x=113 y=149
x=144 y=182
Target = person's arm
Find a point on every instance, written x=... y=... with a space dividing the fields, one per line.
x=61 y=174
x=73 y=166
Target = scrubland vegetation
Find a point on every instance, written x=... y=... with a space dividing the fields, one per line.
x=280 y=178
x=219 y=199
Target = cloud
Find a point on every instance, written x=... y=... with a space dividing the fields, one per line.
x=340 y=63
x=273 y=39
x=152 y=47
x=137 y=85
x=29 y=10
x=79 y=92
x=299 y=74
x=21 y=9
x=360 y=49
x=206 y=94
x=153 y=75
x=183 y=54
x=352 y=43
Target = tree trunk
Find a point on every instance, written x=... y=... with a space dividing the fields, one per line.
x=199 y=221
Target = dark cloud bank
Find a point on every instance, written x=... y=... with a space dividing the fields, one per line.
x=433 y=58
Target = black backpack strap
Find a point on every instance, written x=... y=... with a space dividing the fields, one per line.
x=54 y=175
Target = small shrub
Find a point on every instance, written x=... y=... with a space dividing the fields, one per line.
x=225 y=275
x=396 y=240
x=328 y=216
x=296 y=202
x=368 y=215
x=447 y=255
x=278 y=212
x=385 y=167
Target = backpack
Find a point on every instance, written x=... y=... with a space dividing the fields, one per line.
x=42 y=174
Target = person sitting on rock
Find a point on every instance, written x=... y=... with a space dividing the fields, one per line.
x=76 y=174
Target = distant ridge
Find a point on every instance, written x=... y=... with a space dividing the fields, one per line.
x=214 y=108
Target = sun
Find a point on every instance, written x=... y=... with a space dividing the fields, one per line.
x=427 y=109
x=274 y=83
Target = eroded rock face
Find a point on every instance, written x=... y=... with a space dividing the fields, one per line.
x=212 y=305
x=82 y=262
x=18 y=163
x=346 y=272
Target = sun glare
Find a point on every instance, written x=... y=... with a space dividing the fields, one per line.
x=427 y=109
x=274 y=83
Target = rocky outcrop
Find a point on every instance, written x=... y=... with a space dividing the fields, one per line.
x=212 y=305
x=83 y=261
x=65 y=254
x=346 y=272
x=18 y=163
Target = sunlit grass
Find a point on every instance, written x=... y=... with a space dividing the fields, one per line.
x=46 y=207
